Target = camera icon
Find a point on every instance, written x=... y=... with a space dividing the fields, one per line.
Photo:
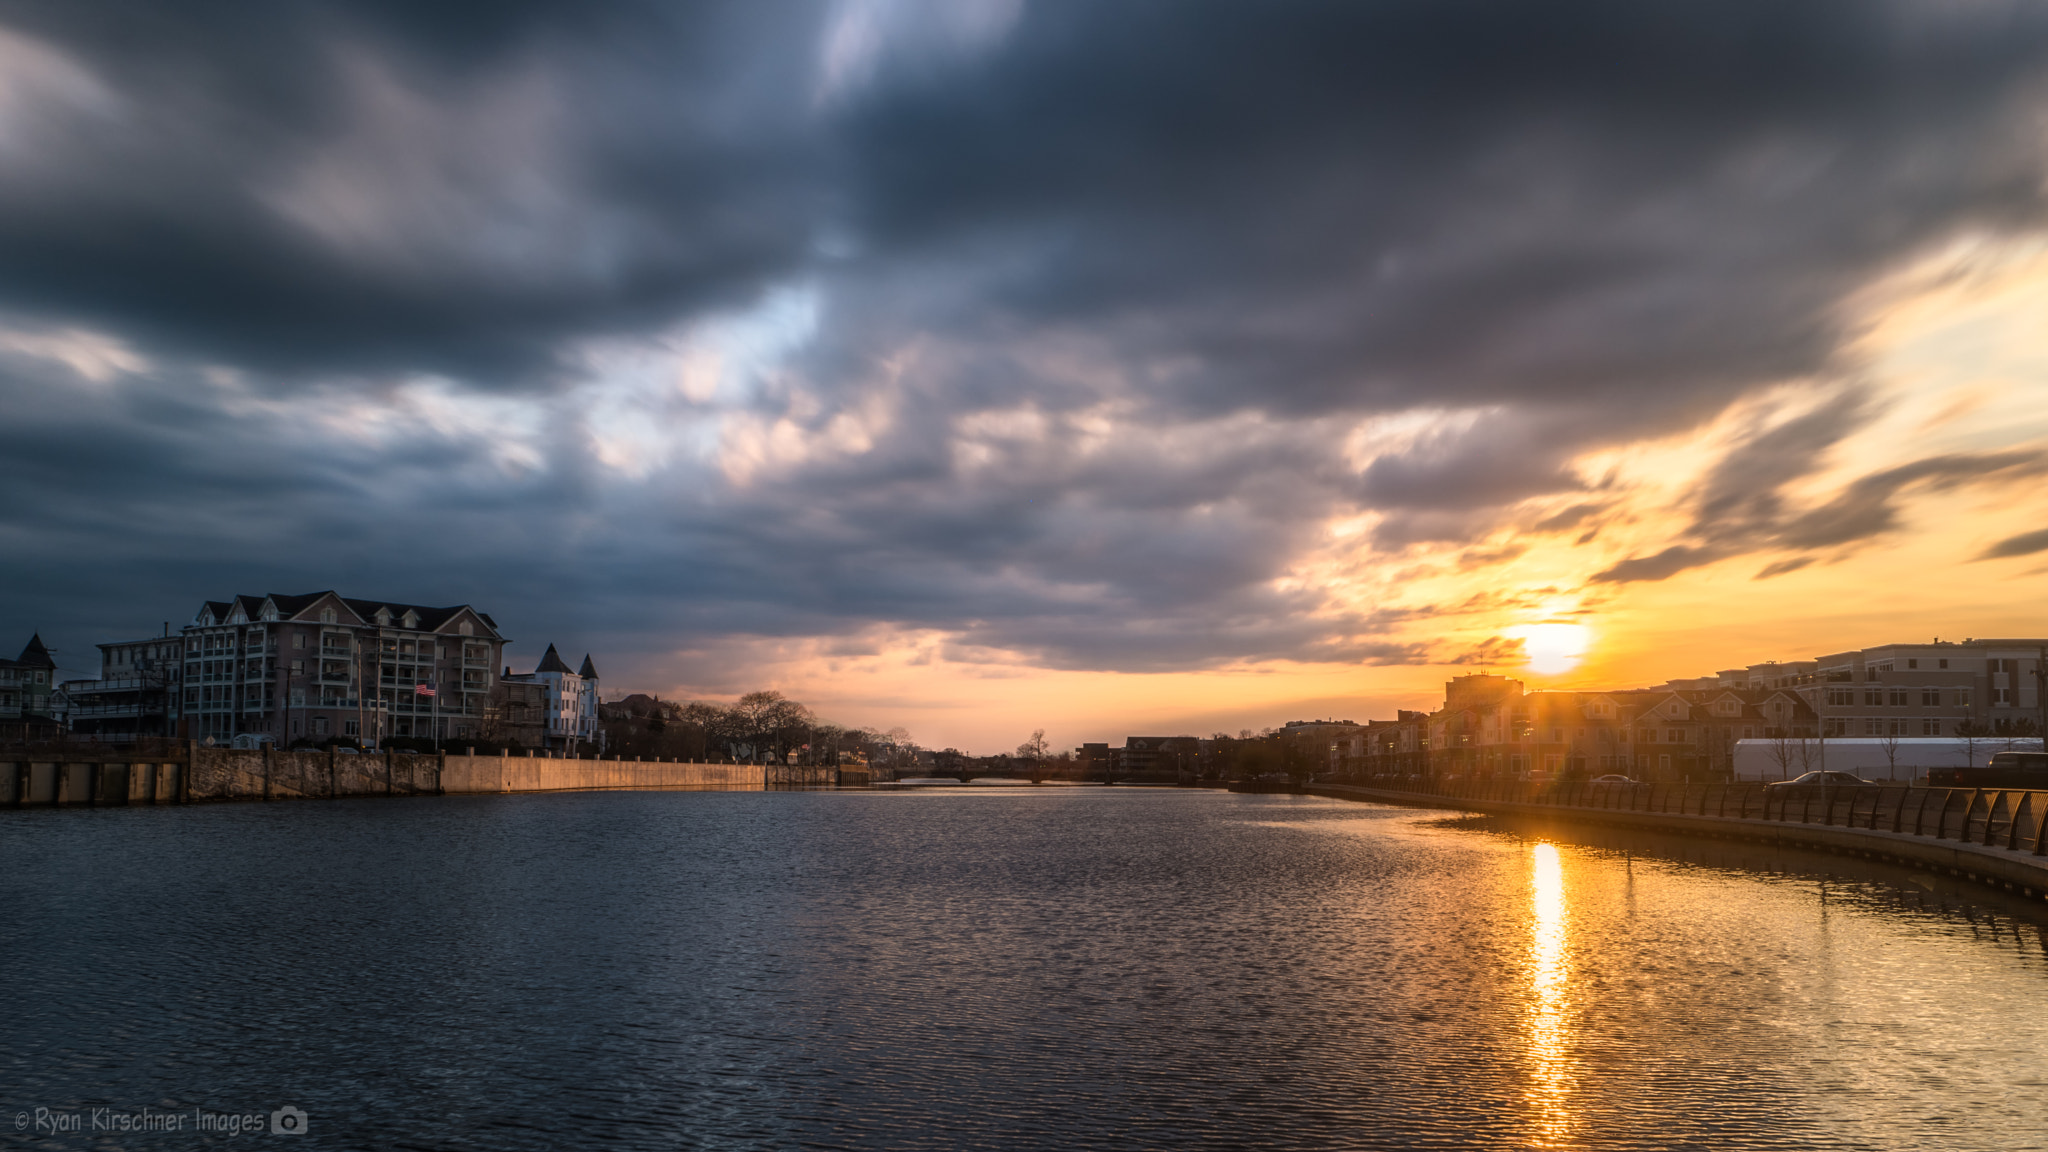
x=287 y=1121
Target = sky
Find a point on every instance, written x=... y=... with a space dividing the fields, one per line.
x=977 y=366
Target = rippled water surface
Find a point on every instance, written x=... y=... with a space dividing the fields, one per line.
x=999 y=968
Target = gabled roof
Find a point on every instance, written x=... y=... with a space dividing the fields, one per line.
x=298 y=607
x=552 y=662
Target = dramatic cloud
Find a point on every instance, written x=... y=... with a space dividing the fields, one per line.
x=1134 y=336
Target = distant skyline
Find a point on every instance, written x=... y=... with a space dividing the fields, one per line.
x=978 y=366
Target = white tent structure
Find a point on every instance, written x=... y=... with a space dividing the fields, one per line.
x=1906 y=759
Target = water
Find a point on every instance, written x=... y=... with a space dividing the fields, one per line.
x=997 y=968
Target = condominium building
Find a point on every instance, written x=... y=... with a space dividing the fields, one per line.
x=1928 y=689
x=321 y=667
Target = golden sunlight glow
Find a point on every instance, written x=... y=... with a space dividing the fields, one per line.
x=1549 y=1035
x=1553 y=648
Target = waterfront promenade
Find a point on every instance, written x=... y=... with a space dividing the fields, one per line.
x=1994 y=836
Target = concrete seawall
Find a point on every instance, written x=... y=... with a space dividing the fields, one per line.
x=88 y=775
x=2007 y=859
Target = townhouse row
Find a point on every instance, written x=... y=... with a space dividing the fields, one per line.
x=1493 y=726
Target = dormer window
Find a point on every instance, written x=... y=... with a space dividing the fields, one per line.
x=384 y=617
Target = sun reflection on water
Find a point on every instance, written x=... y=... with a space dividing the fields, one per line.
x=1549 y=971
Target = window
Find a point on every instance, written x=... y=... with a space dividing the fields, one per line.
x=327 y=615
x=1930 y=727
x=349 y=728
x=1873 y=698
x=1911 y=664
x=1749 y=733
x=1837 y=698
x=1896 y=728
x=1897 y=697
x=2001 y=697
x=1930 y=697
x=1941 y=663
x=1963 y=699
x=320 y=725
x=1837 y=727
x=299 y=640
x=1557 y=735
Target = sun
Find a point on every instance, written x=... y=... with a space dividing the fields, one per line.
x=1553 y=648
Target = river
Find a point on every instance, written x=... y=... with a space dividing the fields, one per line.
x=995 y=968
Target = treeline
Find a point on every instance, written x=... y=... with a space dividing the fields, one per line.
x=759 y=727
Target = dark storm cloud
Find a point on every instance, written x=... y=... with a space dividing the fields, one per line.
x=1378 y=205
x=309 y=187
x=1205 y=239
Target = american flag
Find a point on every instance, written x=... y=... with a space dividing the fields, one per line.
x=426 y=689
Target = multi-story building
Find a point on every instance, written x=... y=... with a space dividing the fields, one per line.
x=568 y=702
x=1332 y=744
x=27 y=685
x=1397 y=747
x=320 y=667
x=1929 y=689
x=136 y=695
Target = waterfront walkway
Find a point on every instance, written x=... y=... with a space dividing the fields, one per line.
x=1990 y=835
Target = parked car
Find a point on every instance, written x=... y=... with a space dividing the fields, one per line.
x=1612 y=780
x=1821 y=780
x=2005 y=770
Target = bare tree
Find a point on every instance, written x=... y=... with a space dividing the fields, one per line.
x=1783 y=753
x=1033 y=752
x=1973 y=735
x=1888 y=742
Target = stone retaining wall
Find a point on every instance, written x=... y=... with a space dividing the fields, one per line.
x=92 y=775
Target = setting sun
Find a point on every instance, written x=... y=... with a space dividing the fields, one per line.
x=1553 y=648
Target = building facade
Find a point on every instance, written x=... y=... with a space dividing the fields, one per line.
x=1928 y=690
x=28 y=694
x=322 y=668
x=568 y=699
x=136 y=695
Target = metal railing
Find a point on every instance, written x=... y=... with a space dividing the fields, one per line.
x=2011 y=818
